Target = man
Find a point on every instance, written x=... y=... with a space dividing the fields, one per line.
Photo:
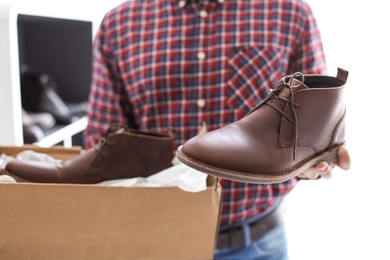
x=163 y=64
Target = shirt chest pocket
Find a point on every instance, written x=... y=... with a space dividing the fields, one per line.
x=252 y=71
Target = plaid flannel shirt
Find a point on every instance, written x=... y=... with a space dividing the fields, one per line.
x=163 y=64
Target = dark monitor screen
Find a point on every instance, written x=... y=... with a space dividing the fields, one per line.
x=61 y=48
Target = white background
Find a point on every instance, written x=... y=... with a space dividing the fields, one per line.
x=346 y=217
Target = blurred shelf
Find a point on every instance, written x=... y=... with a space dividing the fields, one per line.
x=63 y=133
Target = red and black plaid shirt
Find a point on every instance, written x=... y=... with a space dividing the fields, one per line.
x=162 y=64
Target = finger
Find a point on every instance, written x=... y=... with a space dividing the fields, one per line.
x=324 y=170
x=344 y=158
x=322 y=167
x=310 y=174
x=327 y=175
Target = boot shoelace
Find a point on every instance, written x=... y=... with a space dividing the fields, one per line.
x=112 y=129
x=282 y=101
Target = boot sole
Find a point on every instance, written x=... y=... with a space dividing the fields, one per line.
x=328 y=156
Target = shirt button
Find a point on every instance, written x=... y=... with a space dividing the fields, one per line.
x=201 y=102
x=201 y=55
x=203 y=14
x=182 y=3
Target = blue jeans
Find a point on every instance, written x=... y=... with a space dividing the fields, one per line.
x=271 y=246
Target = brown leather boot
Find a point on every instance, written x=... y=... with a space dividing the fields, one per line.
x=300 y=123
x=124 y=153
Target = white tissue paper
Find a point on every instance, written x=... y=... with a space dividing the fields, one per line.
x=6 y=178
x=179 y=175
x=34 y=156
x=4 y=159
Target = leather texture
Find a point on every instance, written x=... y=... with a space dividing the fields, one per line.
x=122 y=154
x=300 y=123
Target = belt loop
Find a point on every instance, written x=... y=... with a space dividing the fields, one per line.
x=247 y=234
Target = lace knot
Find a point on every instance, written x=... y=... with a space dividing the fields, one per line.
x=289 y=83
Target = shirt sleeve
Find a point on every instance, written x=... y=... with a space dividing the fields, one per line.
x=308 y=55
x=108 y=102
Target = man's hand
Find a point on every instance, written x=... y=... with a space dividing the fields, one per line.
x=324 y=169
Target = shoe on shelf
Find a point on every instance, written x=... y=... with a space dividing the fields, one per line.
x=299 y=124
x=39 y=94
x=124 y=153
x=43 y=120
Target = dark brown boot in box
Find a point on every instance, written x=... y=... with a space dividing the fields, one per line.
x=124 y=153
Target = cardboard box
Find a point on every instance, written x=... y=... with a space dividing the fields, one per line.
x=61 y=221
